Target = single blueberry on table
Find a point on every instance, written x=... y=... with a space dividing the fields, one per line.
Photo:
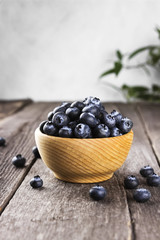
x=91 y=108
x=50 y=129
x=97 y=193
x=146 y=171
x=117 y=116
x=153 y=180
x=36 y=152
x=115 y=132
x=66 y=132
x=125 y=125
x=141 y=195
x=89 y=119
x=73 y=113
x=60 y=119
x=101 y=131
x=131 y=182
x=36 y=182
x=82 y=131
x=18 y=161
x=78 y=104
x=2 y=141
x=109 y=120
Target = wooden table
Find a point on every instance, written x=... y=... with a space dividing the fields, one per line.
x=61 y=210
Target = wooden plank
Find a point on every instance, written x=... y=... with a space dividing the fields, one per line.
x=9 y=107
x=18 y=130
x=150 y=114
x=64 y=210
x=145 y=217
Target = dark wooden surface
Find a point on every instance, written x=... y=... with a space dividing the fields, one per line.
x=62 y=210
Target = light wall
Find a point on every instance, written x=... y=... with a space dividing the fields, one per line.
x=56 y=49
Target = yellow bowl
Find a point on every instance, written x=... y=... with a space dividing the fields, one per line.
x=83 y=160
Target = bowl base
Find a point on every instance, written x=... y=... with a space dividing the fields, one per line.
x=84 y=180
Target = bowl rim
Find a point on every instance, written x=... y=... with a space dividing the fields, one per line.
x=84 y=139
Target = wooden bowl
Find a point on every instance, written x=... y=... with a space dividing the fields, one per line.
x=83 y=160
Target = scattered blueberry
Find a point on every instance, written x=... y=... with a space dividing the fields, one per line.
x=82 y=131
x=153 y=180
x=36 y=182
x=131 y=182
x=18 y=161
x=66 y=132
x=2 y=141
x=146 y=171
x=125 y=125
x=97 y=193
x=101 y=131
x=60 y=119
x=141 y=195
x=36 y=152
x=73 y=113
x=50 y=129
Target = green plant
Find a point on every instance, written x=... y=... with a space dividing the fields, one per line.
x=123 y=61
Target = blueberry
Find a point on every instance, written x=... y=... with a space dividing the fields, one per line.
x=78 y=104
x=66 y=105
x=73 y=113
x=36 y=152
x=115 y=132
x=93 y=100
x=146 y=171
x=92 y=109
x=82 y=131
x=141 y=195
x=125 y=125
x=50 y=116
x=59 y=109
x=101 y=131
x=131 y=182
x=89 y=119
x=2 y=141
x=109 y=120
x=50 y=129
x=66 y=132
x=97 y=193
x=102 y=114
x=60 y=119
x=36 y=182
x=153 y=180
x=117 y=116
x=41 y=125
x=18 y=161
x=73 y=124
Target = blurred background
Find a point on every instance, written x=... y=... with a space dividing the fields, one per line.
x=57 y=49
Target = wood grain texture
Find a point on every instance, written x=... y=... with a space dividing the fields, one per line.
x=18 y=130
x=83 y=160
x=145 y=217
x=9 y=107
x=150 y=114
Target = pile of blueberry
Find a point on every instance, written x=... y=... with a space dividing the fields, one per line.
x=131 y=182
x=86 y=119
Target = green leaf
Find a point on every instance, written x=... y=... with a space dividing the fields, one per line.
x=107 y=72
x=117 y=67
x=139 y=50
x=158 y=31
x=155 y=88
x=124 y=87
x=119 y=54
